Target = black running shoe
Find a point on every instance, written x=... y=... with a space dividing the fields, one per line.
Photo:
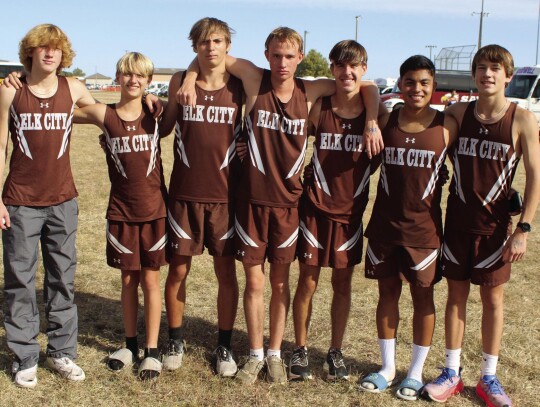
x=335 y=366
x=299 y=365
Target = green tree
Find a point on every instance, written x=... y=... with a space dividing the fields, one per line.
x=76 y=72
x=314 y=64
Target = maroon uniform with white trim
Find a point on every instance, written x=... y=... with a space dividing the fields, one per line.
x=407 y=209
x=335 y=197
x=477 y=216
x=276 y=133
x=340 y=184
x=405 y=229
x=205 y=163
x=138 y=191
x=40 y=170
x=485 y=163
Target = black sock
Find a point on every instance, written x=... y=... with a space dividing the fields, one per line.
x=151 y=352
x=132 y=345
x=224 y=338
x=176 y=333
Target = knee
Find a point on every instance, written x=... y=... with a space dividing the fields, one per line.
x=227 y=278
x=130 y=280
x=254 y=286
x=423 y=301
x=307 y=286
x=178 y=273
x=341 y=287
x=279 y=285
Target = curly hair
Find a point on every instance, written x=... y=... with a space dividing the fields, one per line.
x=45 y=35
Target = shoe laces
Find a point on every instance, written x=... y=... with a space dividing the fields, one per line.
x=493 y=385
x=337 y=357
x=444 y=376
x=299 y=356
x=174 y=347
x=223 y=353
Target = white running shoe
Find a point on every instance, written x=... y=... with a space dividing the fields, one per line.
x=66 y=368
x=26 y=378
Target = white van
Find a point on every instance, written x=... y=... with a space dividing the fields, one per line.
x=524 y=89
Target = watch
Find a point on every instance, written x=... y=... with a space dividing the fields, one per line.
x=525 y=227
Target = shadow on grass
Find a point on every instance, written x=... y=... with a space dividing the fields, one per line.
x=101 y=328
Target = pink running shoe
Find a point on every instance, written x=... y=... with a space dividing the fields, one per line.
x=445 y=386
x=491 y=391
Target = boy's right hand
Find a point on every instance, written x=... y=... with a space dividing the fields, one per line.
x=12 y=80
x=241 y=149
x=5 y=222
x=103 y=142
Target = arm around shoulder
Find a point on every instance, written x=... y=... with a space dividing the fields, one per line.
x=6 y=99
x=168 y=118
x=80 y=95
x=249 y=73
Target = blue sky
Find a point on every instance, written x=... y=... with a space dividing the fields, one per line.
x=391 y=30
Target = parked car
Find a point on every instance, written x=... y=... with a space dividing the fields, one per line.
x=163 y=91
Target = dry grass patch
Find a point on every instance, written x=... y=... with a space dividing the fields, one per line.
x=101 y=330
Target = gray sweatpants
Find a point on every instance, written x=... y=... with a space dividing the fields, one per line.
x=56 y=228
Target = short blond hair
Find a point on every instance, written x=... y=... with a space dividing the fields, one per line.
x=207 y=26
x=135 y=62
x=45 y=35
x=285 y=34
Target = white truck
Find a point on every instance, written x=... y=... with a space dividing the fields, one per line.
x=524 y=89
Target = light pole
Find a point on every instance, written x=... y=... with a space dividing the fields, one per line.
x=305 y=41
x=430 y=49
x=482 y=14
x=356 y=32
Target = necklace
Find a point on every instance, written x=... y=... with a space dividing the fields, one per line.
x=493 y=118
x=44 y=94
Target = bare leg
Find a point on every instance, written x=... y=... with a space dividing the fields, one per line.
x=456 y=312
x=227 y=300
x=130 y=300
x=175 y=291
x=152 y=304
x=279 y=303
x=492 y=318
x=254 y=304
x=424 y=315
x=388 y=307
x=302 y=303
x=341 y=304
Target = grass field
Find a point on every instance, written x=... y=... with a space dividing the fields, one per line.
x=101 y=329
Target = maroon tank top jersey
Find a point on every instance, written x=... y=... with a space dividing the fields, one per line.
x=205 y=165
x=407 y=208
x=40 y=170
x=276 y=133
x=133 y=157
x=338 y=160
x=484 y=166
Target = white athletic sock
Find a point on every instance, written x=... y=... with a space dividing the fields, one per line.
x=273 y=352
x=257 y=353
x=419 y=355
x=452 y=359
x=489 y=364
x=388 y=356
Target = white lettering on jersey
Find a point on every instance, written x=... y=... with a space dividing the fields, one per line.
x=214 y=114
x=140 y=142
x=332 y=141
x=274 y=121
x=47 y=121
x=394 y=155
x=417 y=158
x=490 y=150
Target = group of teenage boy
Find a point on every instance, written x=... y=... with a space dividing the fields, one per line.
x=236 y=189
